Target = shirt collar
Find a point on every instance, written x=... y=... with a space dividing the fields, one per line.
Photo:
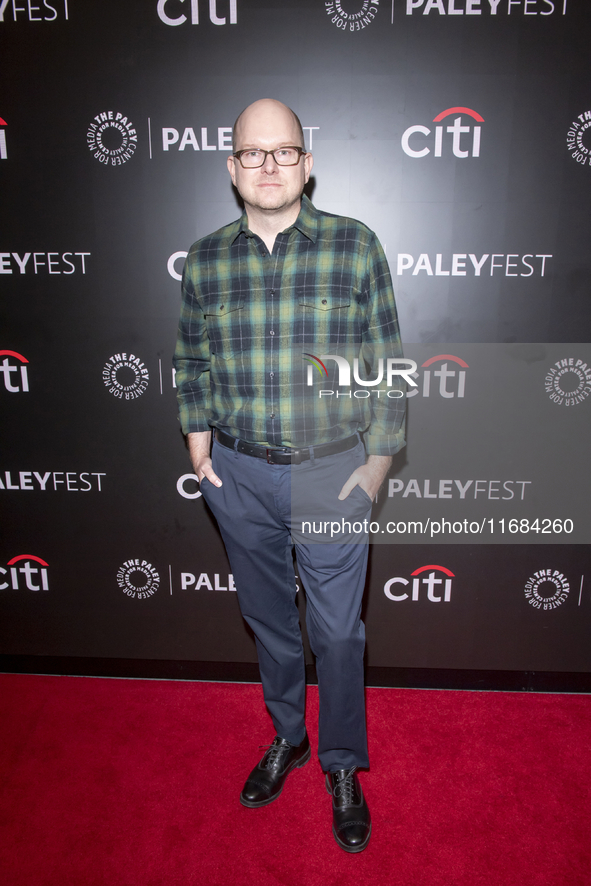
x=306 y=222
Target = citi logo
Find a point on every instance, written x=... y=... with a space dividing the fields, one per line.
x=464 y=141
x=25 y=571
x=435 y=589
x=3 y=151
x=193 y=491
x=16 y=380
x=442 y=381
x=167 y=8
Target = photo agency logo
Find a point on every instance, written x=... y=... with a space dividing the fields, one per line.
x=547 y=589
x=428 y=587
x=25 y=572
x=14 y=371
x=42 y=11
x=443 y=375
x=111 y=138
x=138 y=579
x=464 y=141
x=577 y=135
x=486 y=7
x=351 y=15
x=125 y=376
x=395 y=368
x=220 y=12
x=3 y=148
x=568 y=382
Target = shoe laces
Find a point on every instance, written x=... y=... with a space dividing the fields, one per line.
x=345 y=788
x=272 y=755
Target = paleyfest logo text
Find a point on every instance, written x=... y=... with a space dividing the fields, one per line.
x=486 y=7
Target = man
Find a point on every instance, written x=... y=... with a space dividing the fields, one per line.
x=257 y=296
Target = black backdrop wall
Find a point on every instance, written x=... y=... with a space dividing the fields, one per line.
x=459 y=130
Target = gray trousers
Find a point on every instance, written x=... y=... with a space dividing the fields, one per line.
x=255 y=508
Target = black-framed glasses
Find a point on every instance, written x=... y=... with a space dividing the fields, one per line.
x=252 y=158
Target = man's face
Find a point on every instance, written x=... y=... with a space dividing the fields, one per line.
x=269 y=125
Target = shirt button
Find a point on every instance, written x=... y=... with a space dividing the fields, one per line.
x=271 y=375
x=324 y=302
x=272 y=415
x=272 y=332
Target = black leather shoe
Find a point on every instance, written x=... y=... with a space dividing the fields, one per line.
x=265 y=782
x=350 y=816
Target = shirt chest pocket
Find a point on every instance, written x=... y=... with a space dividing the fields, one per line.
x=227 y=324
x=326 y=314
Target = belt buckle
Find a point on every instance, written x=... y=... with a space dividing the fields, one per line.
x=269 y=462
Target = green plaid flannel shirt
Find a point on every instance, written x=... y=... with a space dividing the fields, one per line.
x=248 y=318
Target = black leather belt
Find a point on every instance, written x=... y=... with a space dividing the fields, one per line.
x=285 y=455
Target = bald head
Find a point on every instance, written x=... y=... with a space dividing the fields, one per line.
x=272 y=192
x=266 y=116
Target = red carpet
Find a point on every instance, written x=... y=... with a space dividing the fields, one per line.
x=102 y=785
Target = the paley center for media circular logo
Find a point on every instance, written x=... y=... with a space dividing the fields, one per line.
x=125 y=376
x=578 y=139
x=138 y=579
x=547 y=589
x=351 y=15
x=111 y=138
x=568 y=381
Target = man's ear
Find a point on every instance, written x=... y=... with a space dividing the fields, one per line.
x=308 y=164
x=231 y=163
